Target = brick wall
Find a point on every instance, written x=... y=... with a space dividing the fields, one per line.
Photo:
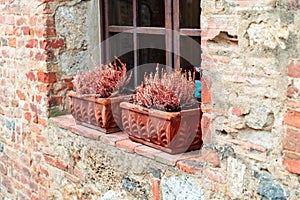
x=291 y=136
x=33 y=86
x=250 y=102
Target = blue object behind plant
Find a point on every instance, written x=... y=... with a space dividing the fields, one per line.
x=198 y=84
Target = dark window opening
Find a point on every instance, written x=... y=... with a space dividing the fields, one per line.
x=157 y=31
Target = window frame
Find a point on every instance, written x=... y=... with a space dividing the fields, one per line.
x=172 y=22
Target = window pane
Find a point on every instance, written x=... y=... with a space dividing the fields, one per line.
x=190 y=51
x=151 y=13
x=190 y=14
x=151 y=50
x=120 y=12
x=121 y=45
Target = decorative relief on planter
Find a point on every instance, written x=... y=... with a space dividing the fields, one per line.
x=175 y=132
x=97 y=113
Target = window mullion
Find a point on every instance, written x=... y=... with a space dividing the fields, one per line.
x=106 y=31
x=176 y=35
x=135 y=42
x=168 y=26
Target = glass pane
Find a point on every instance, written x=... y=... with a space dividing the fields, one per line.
x=190 y=52
x=151 y=13
x=190 y=14
x=120 y=12
x=151 y=50
x=121 y=45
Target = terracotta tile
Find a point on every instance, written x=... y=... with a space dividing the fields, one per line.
x=87 y=132
x=127 y=145
x=65 y=121
x=146 y=151
x=155 y=188
x=111 y=139
x=191 y=165
x=170 y=159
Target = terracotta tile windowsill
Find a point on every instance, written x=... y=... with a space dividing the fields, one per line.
x=190 y=162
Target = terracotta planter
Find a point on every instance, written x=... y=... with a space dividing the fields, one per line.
x=170 y=132
x=97 y=113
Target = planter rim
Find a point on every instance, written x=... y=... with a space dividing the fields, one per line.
x=156 y=113
x=91 y=98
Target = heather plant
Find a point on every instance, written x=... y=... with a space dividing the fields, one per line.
x=169 y=92
x=103 y=81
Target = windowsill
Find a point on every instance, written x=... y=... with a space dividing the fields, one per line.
x=190 y=162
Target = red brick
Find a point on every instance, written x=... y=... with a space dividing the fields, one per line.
x=47 y=77
x=291 y=141
x=12 y=42
x=292 y=118
x=56 y=163
x=293 y=104
x=32 y=21
x=39 y=32
x=215 y=175
x=206 y=132
x=41 y=56
x=292 y=166
x=21 y=21
x=292 y=92
x=43 y=171
x=6 y=182
x=191 y=166
x=155 y=188
x=48 y=21
x=21 y=95
x=1 y=111
x=211 y=157
x=38 y=98
x=43 y=122
x=41 y=139
x=294 y=68
x=247 y=3
x=31 y=76
x=17 y=31
x=237 y=112
x=218 y=23
x=58 y=43
x=205 y=96
x=33 y=43
x=71 y=177
x=35 y=129
x=28 y=116
x=247 y=145
x=127 y=145
x=49 y=32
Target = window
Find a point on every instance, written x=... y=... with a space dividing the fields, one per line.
x=146 y=33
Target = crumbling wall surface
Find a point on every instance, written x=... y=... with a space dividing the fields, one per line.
x=248 y=48
x=34 y=46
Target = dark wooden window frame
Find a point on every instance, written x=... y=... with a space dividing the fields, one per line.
x=172 y=22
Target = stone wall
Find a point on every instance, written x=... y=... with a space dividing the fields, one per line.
x=250 y=102
x=35 y=73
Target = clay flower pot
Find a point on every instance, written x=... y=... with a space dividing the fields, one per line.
x=97 y=113
x=172 y=132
